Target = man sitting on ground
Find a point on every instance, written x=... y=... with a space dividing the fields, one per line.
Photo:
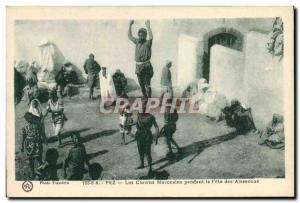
x=273 y=136
x=64 y=79
x=120 y=82
x=239 y=117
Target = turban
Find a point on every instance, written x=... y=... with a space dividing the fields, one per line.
x=142 y=30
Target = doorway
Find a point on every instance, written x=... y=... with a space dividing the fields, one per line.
x=228 y=39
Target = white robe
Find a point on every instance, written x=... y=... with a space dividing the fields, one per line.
x=107 y=86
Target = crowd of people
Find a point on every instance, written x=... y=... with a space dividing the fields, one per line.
x=111 y=86
x=33 y=133
x=34 y=137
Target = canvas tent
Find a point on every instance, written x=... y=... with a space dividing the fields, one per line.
x=51 y=60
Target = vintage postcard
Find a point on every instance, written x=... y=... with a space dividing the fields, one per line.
x=150 y=102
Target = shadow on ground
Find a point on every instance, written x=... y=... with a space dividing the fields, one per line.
x=83 y=139
x=67 y=134
x=95 y=154
x=97 y=135
x=196 y=148
x=157 y=175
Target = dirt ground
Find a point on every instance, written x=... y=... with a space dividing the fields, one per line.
x=210 y=149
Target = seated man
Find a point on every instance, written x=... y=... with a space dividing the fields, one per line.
x=76 y=158
x=107 y=87
x=239 y=117
x=65 y=78
x=273 y=136
x=120 y=82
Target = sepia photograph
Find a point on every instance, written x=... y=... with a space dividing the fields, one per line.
x=142 y=100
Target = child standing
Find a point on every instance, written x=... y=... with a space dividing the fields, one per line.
x=56 y=108
x=33 y=137
x=126 y=122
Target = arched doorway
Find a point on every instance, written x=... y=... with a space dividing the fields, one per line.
x=227 y=37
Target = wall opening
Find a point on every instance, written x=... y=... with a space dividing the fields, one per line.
x=227 y=37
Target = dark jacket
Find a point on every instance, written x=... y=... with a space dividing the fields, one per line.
x=91 y=67
x=63 y=77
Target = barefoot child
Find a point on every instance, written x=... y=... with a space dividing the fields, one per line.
x=126 y=122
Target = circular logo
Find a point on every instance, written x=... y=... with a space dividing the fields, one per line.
x=27 y=186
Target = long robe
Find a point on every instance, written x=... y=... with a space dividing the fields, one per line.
x=107 y=87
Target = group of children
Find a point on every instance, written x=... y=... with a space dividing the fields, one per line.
x=33 y=138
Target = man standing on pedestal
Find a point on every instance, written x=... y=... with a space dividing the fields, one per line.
x=144 y=69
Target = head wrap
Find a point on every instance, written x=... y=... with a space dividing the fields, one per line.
x=37 y=111
x=67 y=63
x=168 y=63
x=143 y=30
x=235 y=102
x=202 y=81
x=202 y=84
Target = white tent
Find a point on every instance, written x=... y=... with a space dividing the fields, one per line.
x=51 y=60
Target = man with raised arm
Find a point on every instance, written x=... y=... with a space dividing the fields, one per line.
x=144 y=69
